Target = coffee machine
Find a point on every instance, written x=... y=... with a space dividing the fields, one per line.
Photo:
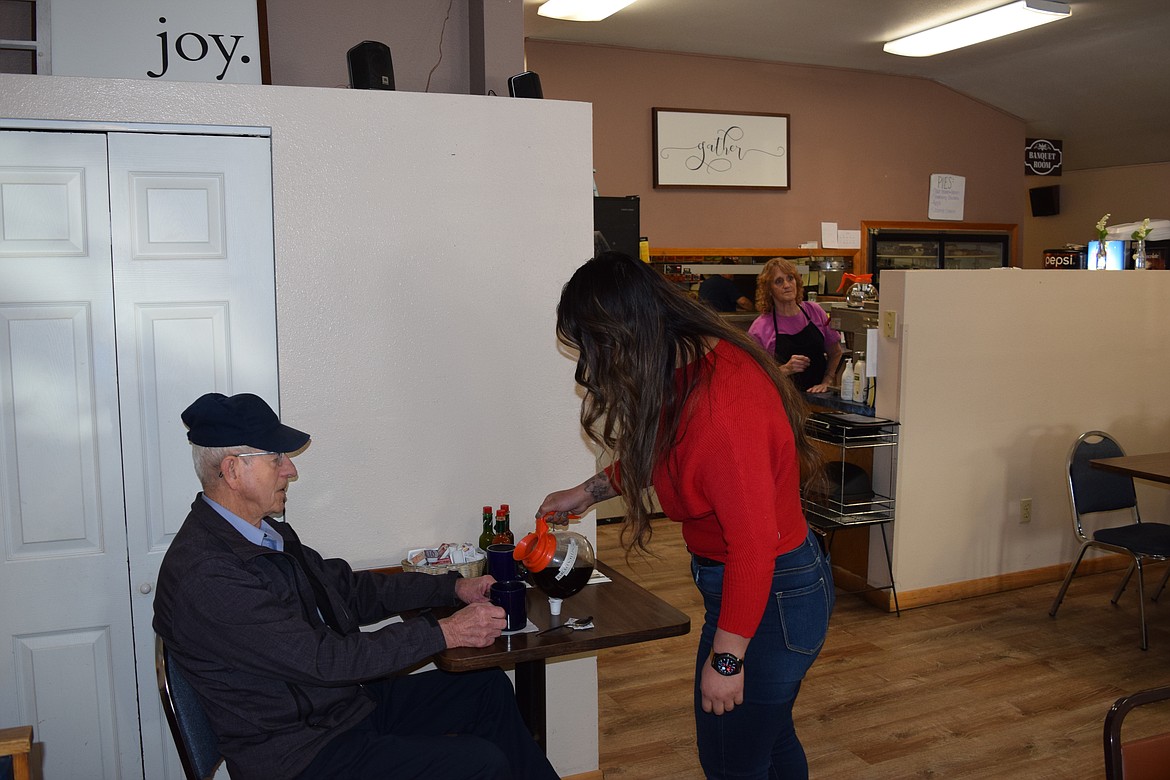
x=852 y=323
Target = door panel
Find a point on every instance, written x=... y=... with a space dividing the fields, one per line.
x=66 y=615
x=48 y=385
x=73 y=671
x=179 y=347
x=195 y=305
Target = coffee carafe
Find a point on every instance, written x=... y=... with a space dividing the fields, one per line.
x=861 y=289
x=558 y=562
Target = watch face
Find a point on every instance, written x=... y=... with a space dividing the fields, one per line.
x=726 y=664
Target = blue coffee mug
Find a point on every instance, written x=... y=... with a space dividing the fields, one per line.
x=511 y=596
x=500 y=563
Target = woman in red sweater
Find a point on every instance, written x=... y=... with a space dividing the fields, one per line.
x=695 y=409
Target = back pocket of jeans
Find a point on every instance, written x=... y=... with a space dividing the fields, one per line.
x=804 y=617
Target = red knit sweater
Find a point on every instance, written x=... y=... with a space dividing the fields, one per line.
x=733 y=481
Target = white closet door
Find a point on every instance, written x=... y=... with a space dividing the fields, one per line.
x=195 y=303
x=67 y=665
x=104 y=339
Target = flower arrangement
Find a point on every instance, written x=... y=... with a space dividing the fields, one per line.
x=1102 y=233
x=1143 y=231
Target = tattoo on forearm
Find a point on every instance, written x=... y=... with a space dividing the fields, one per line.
x=599 y=488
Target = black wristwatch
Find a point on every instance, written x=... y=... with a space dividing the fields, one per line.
x=726 y=664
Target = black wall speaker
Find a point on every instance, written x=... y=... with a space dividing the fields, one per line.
x=370 y=66
x=526 y=84
x=1045 y=200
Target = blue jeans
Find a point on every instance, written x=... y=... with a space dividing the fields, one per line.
x=757 y=739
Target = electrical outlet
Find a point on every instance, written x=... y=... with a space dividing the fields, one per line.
x=889 y=323
x=1025 y=510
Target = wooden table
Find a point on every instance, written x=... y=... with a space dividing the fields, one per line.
x=623 y=613
x=1154 y=467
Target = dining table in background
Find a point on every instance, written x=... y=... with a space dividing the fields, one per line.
x=1154 y=466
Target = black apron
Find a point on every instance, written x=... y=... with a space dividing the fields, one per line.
x=808 y=341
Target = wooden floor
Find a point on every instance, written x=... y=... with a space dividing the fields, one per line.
x=988 y=687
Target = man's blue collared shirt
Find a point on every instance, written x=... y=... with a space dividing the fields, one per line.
x=265 y=535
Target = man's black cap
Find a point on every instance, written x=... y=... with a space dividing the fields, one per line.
x=217 y=420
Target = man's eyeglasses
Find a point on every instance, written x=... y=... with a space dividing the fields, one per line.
x=279 y=456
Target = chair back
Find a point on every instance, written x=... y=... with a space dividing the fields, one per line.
x=1096 y=490
x=197 y=744
x=15 y=745
x=1142 y=759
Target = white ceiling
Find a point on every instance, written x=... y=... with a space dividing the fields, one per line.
x=1099 y=80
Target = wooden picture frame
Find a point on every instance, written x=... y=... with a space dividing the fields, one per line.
x=699 y=148
x=262 y=28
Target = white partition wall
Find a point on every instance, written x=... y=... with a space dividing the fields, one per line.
x=993 y=374
x=421 y=242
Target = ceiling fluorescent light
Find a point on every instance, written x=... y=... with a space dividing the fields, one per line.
x=997 y=22
x=582 y=10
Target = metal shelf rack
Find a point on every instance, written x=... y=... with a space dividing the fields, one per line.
x=831 y=512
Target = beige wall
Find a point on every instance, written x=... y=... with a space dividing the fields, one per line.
x=993 y=375
x=863 y=145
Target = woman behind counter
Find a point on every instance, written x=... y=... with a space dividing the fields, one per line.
x=695 y=409
x=796 y=332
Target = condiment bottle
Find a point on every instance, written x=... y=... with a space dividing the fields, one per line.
x=503 y=535
x=558 y=562
x=488 y=534
x=847 y=381
x=859 y=378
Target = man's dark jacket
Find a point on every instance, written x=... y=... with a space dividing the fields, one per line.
x=277 y=683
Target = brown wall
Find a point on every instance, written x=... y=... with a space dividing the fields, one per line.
x=308 y=42
x=430 y=42
x=863 y=145
x=1129 y=193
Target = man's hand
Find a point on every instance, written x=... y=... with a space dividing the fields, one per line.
x=476 y=625
x=474 y=590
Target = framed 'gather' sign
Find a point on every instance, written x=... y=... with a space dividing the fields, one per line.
x=695 y=148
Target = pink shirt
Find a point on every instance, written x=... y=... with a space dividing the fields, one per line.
x=765 y=335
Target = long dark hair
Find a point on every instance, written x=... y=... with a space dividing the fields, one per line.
x=632 y=329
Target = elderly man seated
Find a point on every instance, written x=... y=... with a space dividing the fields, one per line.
x=268 y=633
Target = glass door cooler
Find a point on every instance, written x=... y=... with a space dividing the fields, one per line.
x=905 y=246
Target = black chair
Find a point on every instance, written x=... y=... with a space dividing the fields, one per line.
x=196 y=742
x=1092 y=490
x=1141 y=759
